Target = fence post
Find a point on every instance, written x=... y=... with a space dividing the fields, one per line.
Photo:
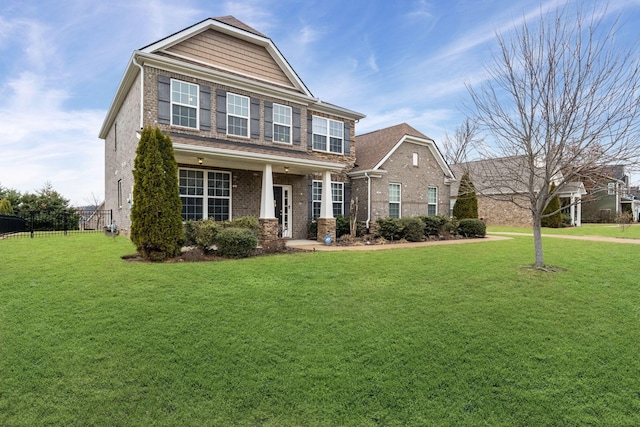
x=32 y=216
x=65 y=217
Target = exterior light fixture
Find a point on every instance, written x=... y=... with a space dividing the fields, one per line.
x=286 y=169
x=200 y=160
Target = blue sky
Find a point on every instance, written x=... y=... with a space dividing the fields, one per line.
x=395 y=61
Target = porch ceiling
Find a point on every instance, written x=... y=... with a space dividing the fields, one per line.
x=225 y=155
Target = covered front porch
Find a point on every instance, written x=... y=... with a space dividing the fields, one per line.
x=272 y=184
x=571 y=200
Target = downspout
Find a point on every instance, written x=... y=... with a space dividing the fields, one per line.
x=368 y=199
x=141 y=90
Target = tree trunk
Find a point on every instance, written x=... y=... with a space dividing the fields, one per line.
x=537 y=242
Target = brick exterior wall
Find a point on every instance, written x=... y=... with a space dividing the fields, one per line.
x=120 y=151
x=415 y=182
x=501 y=212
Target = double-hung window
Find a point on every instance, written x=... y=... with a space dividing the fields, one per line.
x=328 y=135
x=237 y=115
x=282 y=123
x=184 y=104
x=432 y=201
x=394 y=200
x=205 y=194
x=337 y=198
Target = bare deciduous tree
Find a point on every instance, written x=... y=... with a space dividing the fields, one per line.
x=466 y=139
x=563 y=99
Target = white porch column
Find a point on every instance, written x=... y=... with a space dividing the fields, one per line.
x=572 y=210
x=579 y=213
x=267 y=210
x=326 y=203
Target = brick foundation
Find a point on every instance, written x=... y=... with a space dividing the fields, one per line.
x=326 y=226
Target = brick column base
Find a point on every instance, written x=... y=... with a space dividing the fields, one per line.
x=268 y=230
x=326 y=226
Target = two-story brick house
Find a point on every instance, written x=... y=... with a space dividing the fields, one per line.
x=248 y=135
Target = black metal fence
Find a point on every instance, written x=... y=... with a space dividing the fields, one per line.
x=46 y=223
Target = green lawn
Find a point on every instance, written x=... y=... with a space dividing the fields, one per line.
x=438 y=335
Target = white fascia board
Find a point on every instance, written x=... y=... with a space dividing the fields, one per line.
x=323 y=107
x=429 y=143
x=235 y=32
x=259 y=157
x=127 y=80
x=372 y=173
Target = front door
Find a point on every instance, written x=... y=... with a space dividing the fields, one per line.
x=282 y=203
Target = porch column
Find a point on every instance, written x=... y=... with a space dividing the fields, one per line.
x=579 y=212
x=572 y=210
x=326 y=221
x=268 y=220
x=267 y=210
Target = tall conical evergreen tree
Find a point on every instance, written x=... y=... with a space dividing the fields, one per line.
x=156 y=219
x=466 y=205
x=549 y=219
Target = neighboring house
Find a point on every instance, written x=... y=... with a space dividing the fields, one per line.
x=497 y=189
x=399 y=172
x=609 y=195
x=248 y=135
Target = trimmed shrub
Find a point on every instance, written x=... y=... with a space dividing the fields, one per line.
x=466 y=205
x=389 y=228
x=312 y=230
x=248 y=222
x=236 y=242
x=551 y=216
x=434 y=224
x=202 y=233
x=472 y=228
x=343 y=226
x=156 y=218
x=412 y=228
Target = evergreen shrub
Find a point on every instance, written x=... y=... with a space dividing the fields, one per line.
x=389 y=228
x=236 y=242
x=412 y=228
x=472 y=228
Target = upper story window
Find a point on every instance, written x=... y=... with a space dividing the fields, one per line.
x=184 y=104
x=328 y=135
x=281 y=123
x=237 y=115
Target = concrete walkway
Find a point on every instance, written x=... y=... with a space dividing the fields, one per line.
x=312 y=245
x=564 y=236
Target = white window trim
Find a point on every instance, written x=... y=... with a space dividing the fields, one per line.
x=205 y=190
x=416 y=158
x=314 y=201
x=327 y=135
x=399 y=202
x=197 y=106
x=248 y=118
x=119 y=189
x=290 y=125
x=429 y=203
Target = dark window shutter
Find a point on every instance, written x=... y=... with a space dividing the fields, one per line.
x=310 y=199
x=164 y=100
x=347 y=139
x=346 y=200
x=221 y=110
x=254 y=114
x=297 y=137
x=268 y=120
x=205 y=108
x=309 y=131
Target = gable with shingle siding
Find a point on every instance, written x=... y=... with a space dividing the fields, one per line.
x=228 y=53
